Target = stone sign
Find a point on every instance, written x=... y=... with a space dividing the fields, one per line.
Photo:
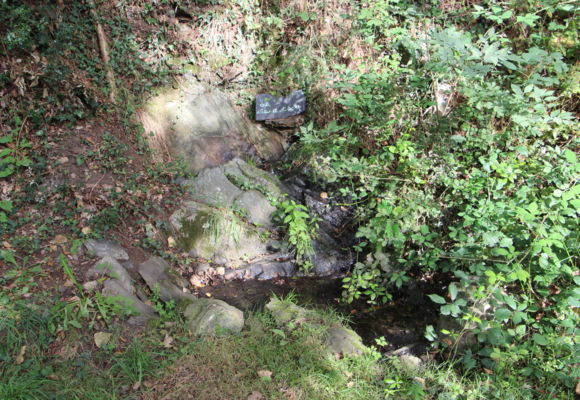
x=276 y=107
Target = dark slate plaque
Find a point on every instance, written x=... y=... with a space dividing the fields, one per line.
x=276 y=107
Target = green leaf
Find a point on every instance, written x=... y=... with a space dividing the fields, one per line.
x=8 y=256
x=502 y=314
x=437 y=299
x=453 y=291
x=6 y=205
x=5 y=139
x=570 y=156
x=540 y=339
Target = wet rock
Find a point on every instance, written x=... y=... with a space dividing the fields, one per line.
x=202 y=126
x=119 y=294
x=158 y=276
x=288 y=123
x=213 y=317
x=328 y=260
x=106 y=248
x=266 y=268
x=207 y=227
x=110 y=267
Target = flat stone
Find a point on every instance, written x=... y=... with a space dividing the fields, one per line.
x=256 y=207
x=110 y=267
x=115 y=290
x=158 y=276
x=213 y=188
x=106 y=248
x=255 y=178
x=213 y=317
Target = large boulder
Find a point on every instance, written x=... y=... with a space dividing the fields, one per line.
x=202 y=126
x=210 y=317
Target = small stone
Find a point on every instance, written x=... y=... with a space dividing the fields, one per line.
x=59 y=239
x=220 y=270
x=410 y=362
x=90 y=285
x=101 y=339
x=203 y=268
x=62 y=160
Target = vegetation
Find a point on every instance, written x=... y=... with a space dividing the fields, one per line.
x=450 y=127
x=458 y=144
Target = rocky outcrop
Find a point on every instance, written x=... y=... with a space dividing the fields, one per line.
x=227 y=219
x=201 y=125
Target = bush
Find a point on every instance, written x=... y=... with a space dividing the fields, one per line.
x=462 y=159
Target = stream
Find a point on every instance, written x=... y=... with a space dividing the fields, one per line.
x=401 y=321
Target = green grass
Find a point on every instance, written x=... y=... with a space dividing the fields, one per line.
x=136 y=365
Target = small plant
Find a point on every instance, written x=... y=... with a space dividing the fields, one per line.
x=300 y=230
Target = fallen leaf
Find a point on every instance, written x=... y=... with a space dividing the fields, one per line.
x=350 y=384
x=420 y=381
x=196 y=282
x=170 y=241
x=86 y=230
x=59 y=239
x=167 y=341
x=265 y=374
x=255 y=395
x=324 y=195
x=101 y=338
x=20 y=357
x=136 y=385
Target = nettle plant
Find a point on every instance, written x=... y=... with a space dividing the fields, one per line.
x=487 y=192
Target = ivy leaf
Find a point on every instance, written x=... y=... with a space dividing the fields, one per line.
x=8 y=256
x=540 y=339
x=6 y=205
x=503 y=314
x=453 y=291
x=437 y=299
x=528 y=19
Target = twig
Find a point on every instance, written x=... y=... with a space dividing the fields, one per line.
x=104 y=49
